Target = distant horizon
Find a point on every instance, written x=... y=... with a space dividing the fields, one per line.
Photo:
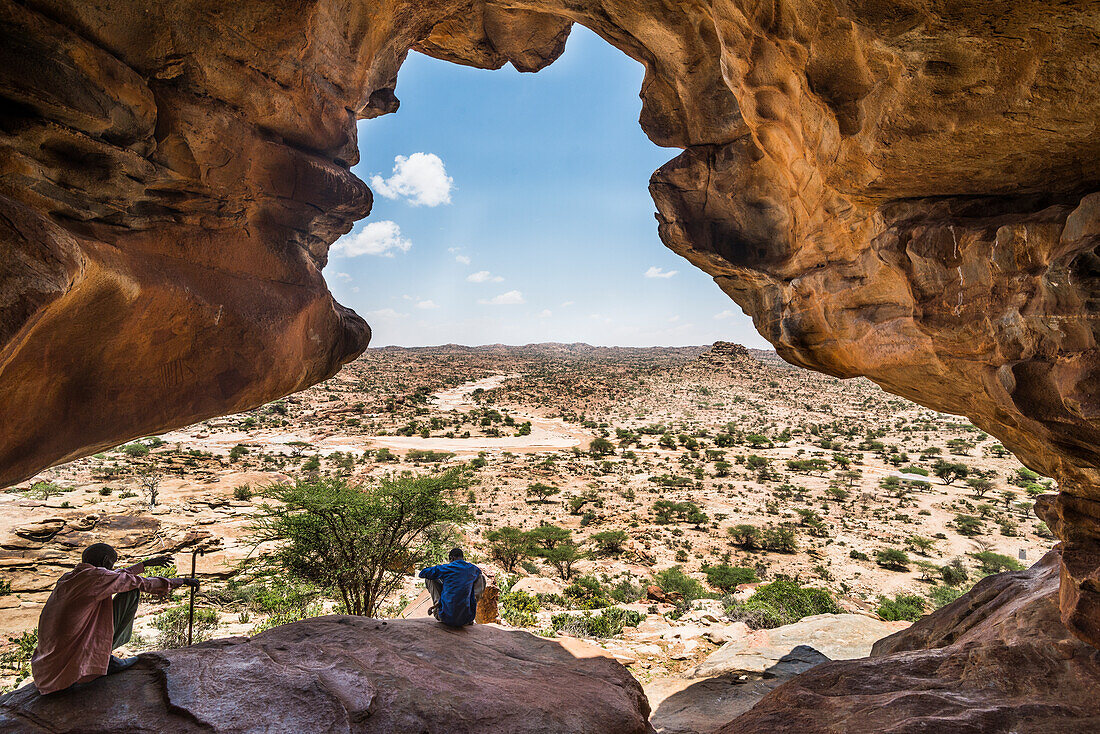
x=769 y=348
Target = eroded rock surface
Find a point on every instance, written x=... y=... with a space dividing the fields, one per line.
x=997 y=659
x=906 y=191
x=351 y=674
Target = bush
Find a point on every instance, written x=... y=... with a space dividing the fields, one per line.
x=727 y=578
x=418 y=456
x=134 y=450
x=892 y=558
x=780 y=538
x=172 y=624
x=954 y=573
x=243 y=493
x=941 y=596
x=858 y=555
x=675 y=581
x=518 y=608
x=990 y=562
x=745 y=536
x=968 y=525
x=782 y=602
x=608 y=623
x=610 y=541
x=586 y=593
x=908 y=607
x=17 y=660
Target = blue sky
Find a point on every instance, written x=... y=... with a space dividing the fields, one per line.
x=514 y=208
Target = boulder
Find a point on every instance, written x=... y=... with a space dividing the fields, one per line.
x=997 y=660
x=826 y=636
x=350 y=674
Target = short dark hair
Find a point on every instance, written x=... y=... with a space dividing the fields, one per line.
x=455 y=554
x=99 y=554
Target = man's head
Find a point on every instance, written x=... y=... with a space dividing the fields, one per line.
x=101 y=555
x=455 y=554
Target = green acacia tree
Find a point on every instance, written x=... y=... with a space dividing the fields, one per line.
x=358 y=541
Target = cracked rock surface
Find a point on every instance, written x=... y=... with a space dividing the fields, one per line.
x=351 y=674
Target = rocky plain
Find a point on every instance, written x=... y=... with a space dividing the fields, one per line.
x=686 y=478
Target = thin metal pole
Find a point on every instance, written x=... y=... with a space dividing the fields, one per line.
x=191 y=608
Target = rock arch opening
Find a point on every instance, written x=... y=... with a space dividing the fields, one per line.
x=901 y=192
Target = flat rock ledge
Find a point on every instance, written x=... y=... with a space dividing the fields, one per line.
x=351 y=674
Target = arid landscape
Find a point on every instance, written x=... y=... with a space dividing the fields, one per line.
x=682 y=479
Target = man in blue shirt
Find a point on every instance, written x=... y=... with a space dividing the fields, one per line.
x=455 y=588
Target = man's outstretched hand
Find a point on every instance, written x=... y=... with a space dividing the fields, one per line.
x=159 y=561
x=192 y=582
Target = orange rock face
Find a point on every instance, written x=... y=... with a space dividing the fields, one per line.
x=902 y=190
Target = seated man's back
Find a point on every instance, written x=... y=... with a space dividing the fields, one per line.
x=457 y=604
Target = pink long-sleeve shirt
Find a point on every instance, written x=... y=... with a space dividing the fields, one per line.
x=77 y=623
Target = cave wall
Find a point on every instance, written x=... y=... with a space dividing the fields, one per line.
x=902 y=190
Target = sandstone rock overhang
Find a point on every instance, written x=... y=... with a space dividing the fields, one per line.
x=901 y=190
x=351 y=674
x=996 y=660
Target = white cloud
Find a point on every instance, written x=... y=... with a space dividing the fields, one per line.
x=510 y=298
x=427 y=304
x=420 y=178
x=673 y=319
x=567 y=304
x=545 y=313
x=386 y=313
x=483 y=276
x=727 y=314
x=342 y=276
x=656 y=272
x=377 y=238
x=462 y=259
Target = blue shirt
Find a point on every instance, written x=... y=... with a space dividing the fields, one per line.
x=457 y=603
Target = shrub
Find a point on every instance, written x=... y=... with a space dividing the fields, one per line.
x=586 y=593
x=17 y=659
x=518 y=608
x=941 y=596
x=675 y=581
x=892 y=558
x=601 y=447
x=418 y=456
x=858 y=555
x=954 y=573
x=172 y=624
x=746 y=537
x=726 y=577
x=780 y=538
x=134 y=450
x=968 y=525
x=990 y=562
x=610 y=541
x=782 y=602
x=242 y=493
x=608 y=623
x=908 y=607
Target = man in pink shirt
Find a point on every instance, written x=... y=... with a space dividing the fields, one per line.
x=81 y=623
